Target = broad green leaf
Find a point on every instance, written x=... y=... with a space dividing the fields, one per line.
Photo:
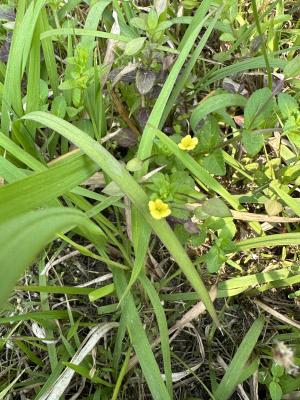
x=214 y=259
x=252 y=141
x=258 y=109
x=209 y=135
x=23 y=237
x=292 y=69
x=275 y=391
x=214 y=163
x=138 y=22
x=160 y=6
x=285 y=197
x=59 y=106
x=234 y=370
x=152 y=19
x=287 y=104
x=216 y=208
x=277 y=370
x=134 y=46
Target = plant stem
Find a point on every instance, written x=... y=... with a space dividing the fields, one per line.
x=263 y=48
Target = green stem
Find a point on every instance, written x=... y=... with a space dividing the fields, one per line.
x=263 y=48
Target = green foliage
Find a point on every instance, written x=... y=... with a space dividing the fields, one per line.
x=97 y=101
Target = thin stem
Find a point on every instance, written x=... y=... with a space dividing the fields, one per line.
x=263 y=48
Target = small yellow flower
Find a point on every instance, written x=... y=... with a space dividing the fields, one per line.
x=188 y=143
x=158 y=209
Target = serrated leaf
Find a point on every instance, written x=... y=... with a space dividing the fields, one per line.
x=273 y=207
x=214 y=163
x=275 y=391
x=287 y=104
x=216 y=208
x=253 y=142
x=258 y=108
x=134 y=46
x=292 y=69
x=144 y=81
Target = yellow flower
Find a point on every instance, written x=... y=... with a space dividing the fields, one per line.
x=158 y=209
x=188 y=143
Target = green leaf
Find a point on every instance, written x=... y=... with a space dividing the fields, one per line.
x=130 y=187
x=214 y=259
x=214 y=163
x=216 y=208
x=227 y=37
x=292 y=69
x=59 y=106
x=140 y=341
x=24 y=236
x=134 y=46
x=101 y=292
x=277 y=370
x=112 y=189
x=252 y=141
x=41 y=187
x=134 y=164
x=273 y=207
x=287 y=104
x=258 y=108
x=275 y=391
x=152 y=19
x=138 y=22
x=209 y=136
x=160 y=6
x=215 y=103
x=68 y=84
x=235 y=368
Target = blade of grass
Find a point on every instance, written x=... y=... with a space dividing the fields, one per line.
x=140 y=341
x=233 y=372
x=281 y=239
x=29 y=193
x=182 y=79
x=163 y=329
x=215 y=103
x=24 y=236
x=135 y=193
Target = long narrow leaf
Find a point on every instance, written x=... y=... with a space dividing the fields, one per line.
x=136 y=194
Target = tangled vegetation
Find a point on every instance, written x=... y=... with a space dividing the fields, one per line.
x=149 y=199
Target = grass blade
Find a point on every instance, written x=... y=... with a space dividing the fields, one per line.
x=135 y=193
x=232 y=374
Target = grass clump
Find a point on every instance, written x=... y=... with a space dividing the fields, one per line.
x=149 y=200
